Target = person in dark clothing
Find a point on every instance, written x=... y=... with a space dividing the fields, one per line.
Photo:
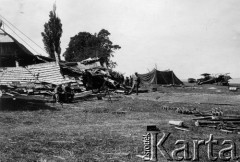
x=68 y=93
x=131 y=81
x=136 y=83
x=58 y=93
x=121 y=79
x=126 y=81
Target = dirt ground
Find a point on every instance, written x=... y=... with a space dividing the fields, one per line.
x=34 y=129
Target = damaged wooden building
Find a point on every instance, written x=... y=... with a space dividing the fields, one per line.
x=20 y=67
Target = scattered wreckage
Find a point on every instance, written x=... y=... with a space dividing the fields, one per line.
x=23 y=73
x=191 y=80
x=44 y=77
x=219 y=79
x=215 y=118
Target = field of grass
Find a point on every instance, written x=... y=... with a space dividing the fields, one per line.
x=97 y=130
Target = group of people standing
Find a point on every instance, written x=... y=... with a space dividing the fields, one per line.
x=133 y=82
x=128 y=81
x=63 y=94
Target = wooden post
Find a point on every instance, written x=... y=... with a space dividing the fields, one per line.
x=16 y=63
x=16 y=59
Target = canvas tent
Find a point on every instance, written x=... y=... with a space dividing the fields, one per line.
x=160 y=77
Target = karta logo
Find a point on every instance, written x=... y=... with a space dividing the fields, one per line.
x=182 y=150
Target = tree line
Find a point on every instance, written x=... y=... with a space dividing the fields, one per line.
x=81 y=46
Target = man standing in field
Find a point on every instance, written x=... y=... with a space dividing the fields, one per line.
x=126 y=83
x=58 y=93
x=136 y=83
x=68 y=93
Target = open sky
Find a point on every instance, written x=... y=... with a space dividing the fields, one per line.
x=188 y=36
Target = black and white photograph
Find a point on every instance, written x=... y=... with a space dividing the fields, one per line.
x=119 y=80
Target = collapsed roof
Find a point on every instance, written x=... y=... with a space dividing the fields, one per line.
x=45 y=72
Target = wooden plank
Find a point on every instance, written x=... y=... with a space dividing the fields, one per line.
x=10 y=94
x=45 y=70
x=226 y=131
x=50 y=75
x=181 y=128
x=83 y=94
x=204 y=123
x=202 y=118
x=176 y=123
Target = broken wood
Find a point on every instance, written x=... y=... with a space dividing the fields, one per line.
x=216 y=122
x=119 y=91
x=202 y=118
x=10 y=94
x=183 y=129
x=83 y=94
x=204 y=123
x=226 y=131
x=176 y=123
x=225 y=119
x=231 y=128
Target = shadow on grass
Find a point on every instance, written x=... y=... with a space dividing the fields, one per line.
x=96 y=98
x=24 y=104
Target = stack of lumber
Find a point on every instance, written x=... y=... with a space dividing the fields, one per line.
x=228 y=124
x=211 y=119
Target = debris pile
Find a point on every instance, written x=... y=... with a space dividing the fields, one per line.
x=43 y=78
x=214 y=118
x=224 y=123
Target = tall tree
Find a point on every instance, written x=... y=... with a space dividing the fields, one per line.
x=52 y=34
x=85 y=45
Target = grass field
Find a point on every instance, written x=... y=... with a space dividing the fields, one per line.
x=92 y=130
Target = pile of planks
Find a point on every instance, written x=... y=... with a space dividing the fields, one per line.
x=228 y=124
x=214 y=118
